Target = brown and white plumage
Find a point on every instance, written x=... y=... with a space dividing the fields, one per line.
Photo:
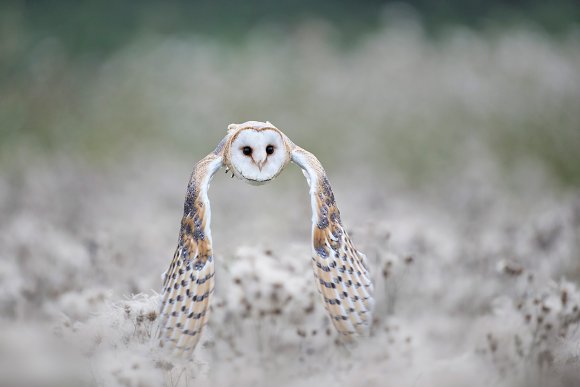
x=257 y=152
x=189 y=282
x=341 y=271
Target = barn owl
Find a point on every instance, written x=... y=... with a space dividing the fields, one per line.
x=256 y=152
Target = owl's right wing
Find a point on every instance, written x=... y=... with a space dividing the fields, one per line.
x=189 y=282
x=341 y=271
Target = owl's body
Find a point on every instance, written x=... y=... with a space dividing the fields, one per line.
x=257 y=152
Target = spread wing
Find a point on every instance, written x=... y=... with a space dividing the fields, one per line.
x=341 y=272
x=189 y=282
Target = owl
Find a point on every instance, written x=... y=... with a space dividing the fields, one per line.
x=256 y=152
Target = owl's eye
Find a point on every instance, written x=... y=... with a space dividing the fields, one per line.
x=247 y=150
x=270 y=149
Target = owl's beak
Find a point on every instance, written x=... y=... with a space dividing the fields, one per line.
x=261 y=164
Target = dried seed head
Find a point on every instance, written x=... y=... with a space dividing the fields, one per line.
x=274 y=297
x=152 y=316
x=564 y=297
x=164 y=365
x=98 y=339
x=545 y=309
x=492 y=342
x=545 y=358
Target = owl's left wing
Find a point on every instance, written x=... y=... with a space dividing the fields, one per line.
x=341 y=271
x=189 y=282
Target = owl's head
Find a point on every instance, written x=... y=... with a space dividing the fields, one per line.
x=257 y=151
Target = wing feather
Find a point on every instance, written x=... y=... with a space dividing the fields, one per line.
x=340 y=270
x=189 y=282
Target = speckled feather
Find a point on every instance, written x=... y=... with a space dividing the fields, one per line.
x=189 y=282
x=341 y=271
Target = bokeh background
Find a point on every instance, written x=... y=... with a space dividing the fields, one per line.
x=450 y=132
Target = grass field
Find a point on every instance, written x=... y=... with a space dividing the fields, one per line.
x=454 y=162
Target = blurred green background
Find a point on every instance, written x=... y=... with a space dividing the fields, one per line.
x=422 y=89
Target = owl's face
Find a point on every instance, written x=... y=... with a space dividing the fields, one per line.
x=257 y=154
